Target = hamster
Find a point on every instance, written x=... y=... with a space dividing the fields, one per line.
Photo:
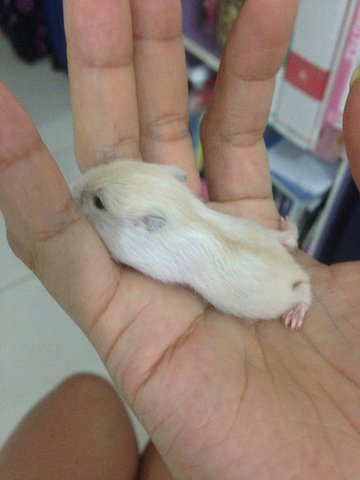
x=150 y=220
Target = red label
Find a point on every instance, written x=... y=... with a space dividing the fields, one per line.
x=306 y=76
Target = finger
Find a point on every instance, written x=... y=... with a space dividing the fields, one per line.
x=102 y=80
x=162 y=85
x=44 y=228
x=351 y=130
x=232 y=130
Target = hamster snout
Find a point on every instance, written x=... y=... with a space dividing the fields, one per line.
x=150 y=220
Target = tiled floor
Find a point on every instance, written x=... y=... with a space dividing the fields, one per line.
x=39 y=344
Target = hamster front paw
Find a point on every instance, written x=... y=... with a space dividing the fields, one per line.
x=288 y=235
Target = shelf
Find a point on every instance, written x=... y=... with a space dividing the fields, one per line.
x=212 y=61
x=197 y=42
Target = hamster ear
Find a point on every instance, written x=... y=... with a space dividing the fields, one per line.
x=179 y=174
x=153 y=223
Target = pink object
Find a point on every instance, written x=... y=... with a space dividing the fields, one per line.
x=349 y=58
x=204 y=191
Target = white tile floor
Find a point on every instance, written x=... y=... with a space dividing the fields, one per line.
x=39 y=344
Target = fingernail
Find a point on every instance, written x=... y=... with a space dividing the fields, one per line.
x=355 y=76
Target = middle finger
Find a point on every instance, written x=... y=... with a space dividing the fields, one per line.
x=162 y=85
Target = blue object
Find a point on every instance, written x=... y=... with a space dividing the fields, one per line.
x=271 y=137
x=54 y=18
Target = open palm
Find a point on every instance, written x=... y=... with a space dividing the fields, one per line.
x=219 y=398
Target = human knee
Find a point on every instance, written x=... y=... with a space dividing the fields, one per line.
x=85 y=386
x=93 y=399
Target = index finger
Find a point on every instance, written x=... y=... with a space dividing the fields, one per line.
x=44 y=228
x=102 y=80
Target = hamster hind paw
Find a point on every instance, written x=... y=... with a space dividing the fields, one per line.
x=294 y=318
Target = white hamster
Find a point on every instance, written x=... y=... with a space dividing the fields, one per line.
x=150 y=220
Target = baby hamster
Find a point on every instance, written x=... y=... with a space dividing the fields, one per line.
x=150 y=220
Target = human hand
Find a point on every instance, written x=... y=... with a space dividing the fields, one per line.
x=220 y=399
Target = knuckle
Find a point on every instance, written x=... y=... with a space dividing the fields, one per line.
x=167 y=128
x=10 y=156
x=65 y=218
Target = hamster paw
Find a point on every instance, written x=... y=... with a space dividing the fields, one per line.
x=288 y=235
x=294 y=318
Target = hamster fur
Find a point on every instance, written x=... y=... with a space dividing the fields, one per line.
x=150 y=220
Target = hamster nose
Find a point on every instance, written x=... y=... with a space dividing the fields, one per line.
x=77 y=194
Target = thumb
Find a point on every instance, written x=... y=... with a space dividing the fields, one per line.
x=44 y=227
x=351 y=123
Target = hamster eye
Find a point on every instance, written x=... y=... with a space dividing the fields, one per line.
x=98 y=203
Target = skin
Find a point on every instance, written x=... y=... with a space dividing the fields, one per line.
x=220 y=399
x=81 y=421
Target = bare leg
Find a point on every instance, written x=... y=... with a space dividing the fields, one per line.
x=152 y=466
x=80 y=431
